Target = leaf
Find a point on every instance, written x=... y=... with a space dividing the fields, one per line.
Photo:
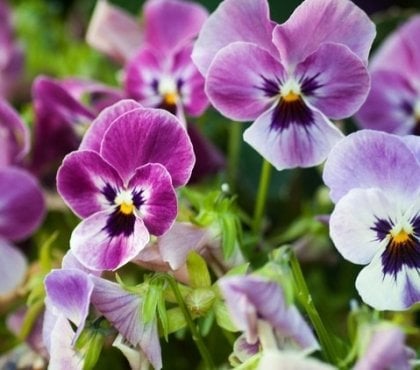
x=197 y=271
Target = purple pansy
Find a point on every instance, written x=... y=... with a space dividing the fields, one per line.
x=287 y=78
x=393 y=104
x=124 y=192
x=252 y=298
x=374 y=179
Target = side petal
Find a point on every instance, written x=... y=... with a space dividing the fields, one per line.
x=96 y=131
x=71 y=262
x=338 y=21
x=22 y=205
x=149 y=136
x=243 y=80
x=336 y=80
x=413 y=143
x=233 y=20
x=12 y=267
x=371 y=159
x=87 y=183
x=171 y=23
x=159 y=206
x=297 y=145
x=94 y=247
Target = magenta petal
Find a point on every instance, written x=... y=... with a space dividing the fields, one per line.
x=22 y=204
x=94 y=247
x=123 y=310
x=149 y=136
x=237 y=80
x=114 y=32
x=390 y=104
x=69 y=293
x=14 y=136
x=159 y=207
x=95 y=133
x=82 y=181
x=341 y=80
x=338 y=21
x=233 y=20
x=298 y=145
x=12 y=267
x=172 y=23
x=371 y=159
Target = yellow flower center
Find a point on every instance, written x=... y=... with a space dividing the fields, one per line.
x=290 y=91
x=127 y=208
x=124 y=200
x=291 y=97
x=170 y=98
x=400 y=237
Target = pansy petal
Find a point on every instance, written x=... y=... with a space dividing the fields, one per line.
x=22 y=204
x=353 y=220
x=298 y=144
x=336 y=87
x=149 y=136
x=388 y=291
x=95 y=133
x=69 y=293
x=12 y=267
x=171 y=23
x=413 y=142
x=390 y=104
x=95 y=247
x=71 y=262
x=114 y=32
x=233 y=20
x=123 y=310
x=401 y=51
x=377 y=160
x=339 y=21
x=288 y=360
x=87 y=183
x=242 y=81
x=159 y=206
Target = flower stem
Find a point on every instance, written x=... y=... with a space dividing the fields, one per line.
x=261 y=196
x=305 y=300
x=234 y=149
x=205 y=354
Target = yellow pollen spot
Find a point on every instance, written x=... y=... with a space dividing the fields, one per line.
x=291 y=97
x=401 y=237
x=170 y=98
x=127 y=208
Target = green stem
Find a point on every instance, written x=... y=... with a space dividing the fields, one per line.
x=305 y=300
x=234 y=149
x=205 y=354
x=261 y=196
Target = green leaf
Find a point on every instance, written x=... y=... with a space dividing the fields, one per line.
x=223 y=318
x=163 y=316
x=176 y=320
x=151 y=299
x=197 y=271
x=92 y=349
x=228 y=225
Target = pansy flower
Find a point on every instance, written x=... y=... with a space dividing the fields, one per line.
x=287 y=78
x=374 y=179
x=125 y=192
x=393 y=104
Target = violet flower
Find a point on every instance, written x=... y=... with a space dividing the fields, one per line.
x=393 y=104
x=374 y=179
x=287 y=78
x=124 y=192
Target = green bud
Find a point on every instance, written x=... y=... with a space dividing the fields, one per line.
x=200 y=300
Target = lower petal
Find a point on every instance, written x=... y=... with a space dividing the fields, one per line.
x=295 y=145
x=93 y=246
x=12 y=267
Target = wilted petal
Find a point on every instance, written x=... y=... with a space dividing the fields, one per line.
x=290 y=361
x=318 y=21
x=169 y=24
x=149 y=136
x=98 y=246
x=12 y=267
x=287 y=143
x=135 y=356
x=123 y=310
x=22 y=204
x=369 y=159
x=114 y=32
x=233 y=20
x=87 y=183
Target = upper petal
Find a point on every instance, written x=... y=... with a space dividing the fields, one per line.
x=233 y=20
x=87 y=183
x=149 y=136
x=243 y=80
x=371 y=159
x=317 y=21
x=334 y=80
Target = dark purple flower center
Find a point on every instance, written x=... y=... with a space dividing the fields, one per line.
x=403 y=246
x=170 y=92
